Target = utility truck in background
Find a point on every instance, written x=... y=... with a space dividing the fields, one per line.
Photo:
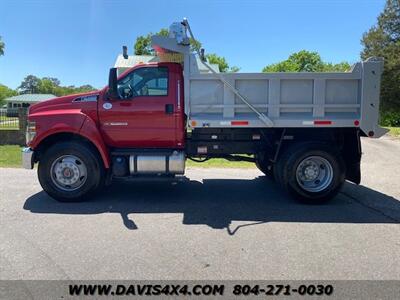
x=300 y=129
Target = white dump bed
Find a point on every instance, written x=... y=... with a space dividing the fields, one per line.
x=346 y=99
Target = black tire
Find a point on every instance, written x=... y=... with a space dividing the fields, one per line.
x=288 y=162
x=87 y=156
x=264 y=165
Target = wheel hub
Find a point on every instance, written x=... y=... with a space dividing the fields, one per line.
x=314 y=174
x=310 y=172
x=68 y=172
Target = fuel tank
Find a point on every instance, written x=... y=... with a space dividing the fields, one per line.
x=152 y=163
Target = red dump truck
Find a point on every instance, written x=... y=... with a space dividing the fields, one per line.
x=301 y=129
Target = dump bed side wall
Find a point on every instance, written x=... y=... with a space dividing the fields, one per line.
x=288 y=99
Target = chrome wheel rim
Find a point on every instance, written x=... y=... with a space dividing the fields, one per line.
x=314 y=174
x=68 y=172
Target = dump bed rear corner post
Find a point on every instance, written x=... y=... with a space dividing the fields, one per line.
x=370 y=92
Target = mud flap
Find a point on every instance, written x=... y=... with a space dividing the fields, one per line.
x=353 y=173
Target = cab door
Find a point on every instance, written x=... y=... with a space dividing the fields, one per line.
x=145 y=115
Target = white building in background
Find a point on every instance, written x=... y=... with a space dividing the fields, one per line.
x=25 y=100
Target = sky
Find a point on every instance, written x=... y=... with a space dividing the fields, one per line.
x=77 y=41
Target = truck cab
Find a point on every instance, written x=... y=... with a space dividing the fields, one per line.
x=147 y=111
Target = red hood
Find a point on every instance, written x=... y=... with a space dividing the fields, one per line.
x=64 y=102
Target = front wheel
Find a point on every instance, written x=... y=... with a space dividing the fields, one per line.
x=70 y=171
x=312 y=172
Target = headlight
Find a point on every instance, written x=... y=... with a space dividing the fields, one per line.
x=30 y=131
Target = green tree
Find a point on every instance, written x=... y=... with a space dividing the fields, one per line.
x=142 y=46
x=30 y=85
x=340 y=67
x=49 y=85
x=223 y=65
x=2 y=46
x=84 y=88
x=306 y=61
x=213 y=58
x=143 y=43
x=195 y=45
x=53 y=80
x=46 y=86
x=6 y=92
x=68 y=90
x=383 y=40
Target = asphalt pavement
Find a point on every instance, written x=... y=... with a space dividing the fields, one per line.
x=213 y=224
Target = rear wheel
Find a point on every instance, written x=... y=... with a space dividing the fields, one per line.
x=312 y=172
x=70 y=171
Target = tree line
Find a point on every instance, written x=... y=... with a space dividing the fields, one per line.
x=49 y=85
x=382 y=40
x=46 y=85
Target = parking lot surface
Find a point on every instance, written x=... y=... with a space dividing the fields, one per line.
x=215 y=224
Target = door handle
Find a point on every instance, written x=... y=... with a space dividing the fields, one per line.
x=169 y=109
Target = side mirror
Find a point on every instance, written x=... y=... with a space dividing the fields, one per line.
x=112 y=84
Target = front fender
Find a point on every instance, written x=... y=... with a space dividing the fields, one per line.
x=90 y=131
x=73 y=121
x=56 y=121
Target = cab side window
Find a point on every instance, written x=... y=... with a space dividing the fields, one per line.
x=147 y=81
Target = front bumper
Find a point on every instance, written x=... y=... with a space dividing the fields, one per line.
x=27 y=158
